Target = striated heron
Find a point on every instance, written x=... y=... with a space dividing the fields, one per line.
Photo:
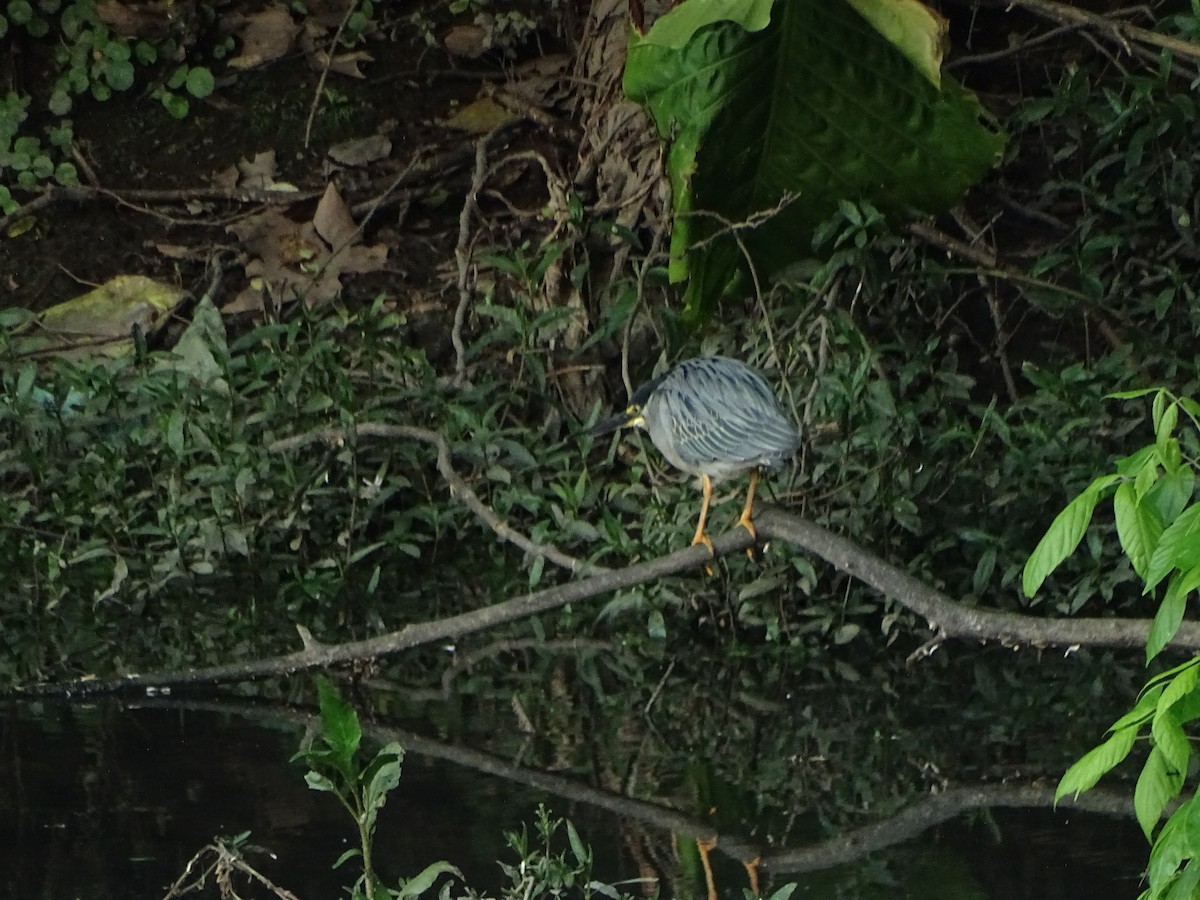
x=714 y=417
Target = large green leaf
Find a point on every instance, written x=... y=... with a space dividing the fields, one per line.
x=1138 y=526
x=818 y=107
x=1157 y=784
x=1178 y=548
x=1064 y=535
x=1094 y=764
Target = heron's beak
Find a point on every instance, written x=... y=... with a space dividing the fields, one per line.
x=626 y=419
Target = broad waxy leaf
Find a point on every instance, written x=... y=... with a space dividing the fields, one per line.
x=1138 y=526
x=1157 y=784
x=1171 y=845
x=818 y=107
x=1178 y=548
x=674 y=31
x=917 y=31
x=1064 y=535
x=1095 y=764
x=1166 y=622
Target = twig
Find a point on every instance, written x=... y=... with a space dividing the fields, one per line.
x=316 y=101
x=462 y=258
x=1122 y=32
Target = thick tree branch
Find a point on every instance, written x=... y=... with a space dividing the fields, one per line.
x=950 y=618
x=946 y=617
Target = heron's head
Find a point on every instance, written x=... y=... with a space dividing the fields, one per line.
x=633 y=416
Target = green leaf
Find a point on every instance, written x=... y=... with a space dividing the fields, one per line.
x=578 y=848
x=1164 y=428
x=1166 y=620
x=339 y=725
x=423 y=880
x=175 y=423
x=174 y=104
x=1138 y=526
x=1171 y=493
x=200 y=82
x=346 y=857
x=1179 y=683
x=1178 y=548
x=1064 y=535
x=1184 y=887
x=1171 y=846
x=382 y=777
x=675 y=29
x=318 y=782
x=119 y=75
x=1155 y=788
x=1130 y=395
x=817 y=105
x=1096 y=763
x=20 y=11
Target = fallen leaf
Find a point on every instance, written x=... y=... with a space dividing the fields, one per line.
x=361 y=151
x=290 y=261
x=467 y=41
x=480 y=117
x=333 y=222
x=102 y=320
x=148 y=21
x=266 y=36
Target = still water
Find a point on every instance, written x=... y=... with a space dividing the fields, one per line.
x=110 y=801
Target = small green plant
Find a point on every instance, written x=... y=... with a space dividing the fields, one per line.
x=1159 y=528
x=544 y=871
x=336 y=765
x=196 y=81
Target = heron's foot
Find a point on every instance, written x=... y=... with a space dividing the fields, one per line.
x=746 y=522
x=705 y=846
x=702 y=538
x=752 y=871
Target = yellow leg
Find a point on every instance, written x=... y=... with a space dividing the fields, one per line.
x=745 y=520
x=704 y=845
x=752 y=871
x=701 y=537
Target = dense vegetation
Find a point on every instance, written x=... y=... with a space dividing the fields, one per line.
x=951 y=379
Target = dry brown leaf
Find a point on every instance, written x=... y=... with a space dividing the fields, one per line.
x=257 y=173
x=342 y=64
x=333 y=222
x=467 y=41
x=361 y=151
x=147 y=21
x=265 y=36
x=289 y=261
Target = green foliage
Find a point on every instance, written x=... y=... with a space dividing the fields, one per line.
x=834 y=112
x=88 y=59
x=1157 y=526
x=545 y=871
x=194 y=80
x=337 y=765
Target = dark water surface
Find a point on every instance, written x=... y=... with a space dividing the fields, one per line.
x=108 y=801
